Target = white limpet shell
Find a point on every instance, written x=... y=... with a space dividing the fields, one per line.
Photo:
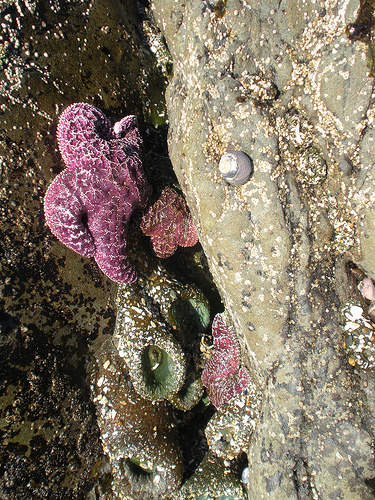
x=355 y=312
x=236 y=167
x=245 y=476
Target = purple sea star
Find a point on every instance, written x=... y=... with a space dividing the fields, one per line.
x=223 y=375
x=169 y=224
x=89 y=204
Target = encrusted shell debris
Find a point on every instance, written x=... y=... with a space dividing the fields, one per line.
x=229 y=429
x=236 y=167
x=155 y=359
x=359 y=337
x=138 y=436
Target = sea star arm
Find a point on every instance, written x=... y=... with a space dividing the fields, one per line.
x=64 y=214
x=127 y=128
x=109 y=225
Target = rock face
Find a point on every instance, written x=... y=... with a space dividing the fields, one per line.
x=53 y=303
x=282 y=82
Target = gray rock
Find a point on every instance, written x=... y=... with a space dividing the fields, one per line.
x=286 y=86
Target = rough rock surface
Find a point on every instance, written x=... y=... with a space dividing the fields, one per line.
x=54 y=303
x=281 y=81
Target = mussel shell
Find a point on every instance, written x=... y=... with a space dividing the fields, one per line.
x=236 y=167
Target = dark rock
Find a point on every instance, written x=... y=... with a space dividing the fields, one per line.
x=54 y=303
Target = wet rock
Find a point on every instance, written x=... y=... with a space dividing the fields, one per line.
x=54 y=303
x=278 y=246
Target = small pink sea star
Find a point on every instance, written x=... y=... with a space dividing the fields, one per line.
x=89 y=204
x=169 y=224
x=223 y=375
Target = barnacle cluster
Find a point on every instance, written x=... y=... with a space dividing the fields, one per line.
x=359 y=338
x=312 y=168
x=257 y=87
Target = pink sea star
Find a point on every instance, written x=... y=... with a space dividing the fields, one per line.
x=169 y=224
x=89 y=204
x=223 y=375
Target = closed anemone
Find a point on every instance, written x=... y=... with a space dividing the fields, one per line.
x=190 y=315
x=138 y=468
x=156 y=368
x=189 y=394
x=143 y=483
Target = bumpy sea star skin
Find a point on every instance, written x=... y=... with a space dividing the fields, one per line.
x=223 y=375
x=169 y=224
x=89 y=204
